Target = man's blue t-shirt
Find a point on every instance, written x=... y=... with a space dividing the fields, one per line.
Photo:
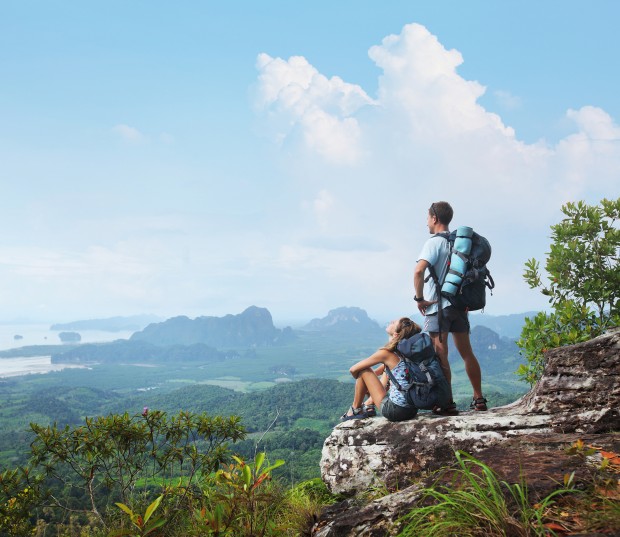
x=436 y=251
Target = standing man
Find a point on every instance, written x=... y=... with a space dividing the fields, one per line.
x=434 y=256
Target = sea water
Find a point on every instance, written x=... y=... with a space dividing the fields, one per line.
x=15 y=367
x=13 y=336
x=40 y=334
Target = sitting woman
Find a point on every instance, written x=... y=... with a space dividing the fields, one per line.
x=393 y=405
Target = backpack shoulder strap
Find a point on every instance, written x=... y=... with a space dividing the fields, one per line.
x=390 y=374
x=431 y=270
x=393 y=379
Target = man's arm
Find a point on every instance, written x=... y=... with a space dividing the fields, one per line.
x=418 y=285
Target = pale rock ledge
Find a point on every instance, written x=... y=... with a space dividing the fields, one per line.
x=578 y=396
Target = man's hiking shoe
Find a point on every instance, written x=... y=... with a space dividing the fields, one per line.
x=479 y=404
x=357 y=414
x=371 y=410
x=450 y=410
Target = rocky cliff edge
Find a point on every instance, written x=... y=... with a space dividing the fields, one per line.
x=577 y=398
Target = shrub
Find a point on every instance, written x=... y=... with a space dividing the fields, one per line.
x=583 y=267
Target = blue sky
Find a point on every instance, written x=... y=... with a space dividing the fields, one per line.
x=196 y=158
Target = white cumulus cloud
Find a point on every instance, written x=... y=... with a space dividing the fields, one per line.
x=425 y=138
x=322 y=110
x=420 y=81
x=595 y=124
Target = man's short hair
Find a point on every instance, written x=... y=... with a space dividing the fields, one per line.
x=442 y=211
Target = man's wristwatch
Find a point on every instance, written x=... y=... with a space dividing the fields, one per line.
x=421 y=299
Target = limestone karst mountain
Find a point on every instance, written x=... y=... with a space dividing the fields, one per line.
x=345 y=319
x=252 y=327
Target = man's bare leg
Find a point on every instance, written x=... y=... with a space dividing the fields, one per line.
x=472 y=366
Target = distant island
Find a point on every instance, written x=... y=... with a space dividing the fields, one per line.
x=111 y=324
x=70 y=337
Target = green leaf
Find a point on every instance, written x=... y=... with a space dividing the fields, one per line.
x=275 y=465
x=125 y=508
x=151 y=508
x=154 y=525
x=247 y=475
x=258 y=461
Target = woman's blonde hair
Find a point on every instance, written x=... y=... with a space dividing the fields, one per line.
x=404 y=330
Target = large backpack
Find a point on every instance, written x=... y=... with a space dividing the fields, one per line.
x=467 y=276
x=428 y=385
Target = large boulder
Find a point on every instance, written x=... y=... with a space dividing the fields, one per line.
x=578 y=397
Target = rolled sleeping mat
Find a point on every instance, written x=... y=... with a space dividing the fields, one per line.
x=458 y=264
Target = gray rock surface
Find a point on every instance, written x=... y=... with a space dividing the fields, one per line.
x=578 y=397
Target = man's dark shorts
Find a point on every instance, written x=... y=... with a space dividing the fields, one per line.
x=452 y=320
x=393 y=412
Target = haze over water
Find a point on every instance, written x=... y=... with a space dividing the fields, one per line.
x=40 y=334
x=14 y=367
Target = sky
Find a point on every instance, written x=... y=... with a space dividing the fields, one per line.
x=195 y=158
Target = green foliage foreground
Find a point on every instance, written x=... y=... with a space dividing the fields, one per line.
x=154 y=475
x=148 y=474
x=110 y=456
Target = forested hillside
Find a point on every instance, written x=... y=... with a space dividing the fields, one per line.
x=289 y=421
x=289 y=393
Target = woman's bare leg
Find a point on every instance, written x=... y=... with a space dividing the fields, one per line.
x=360 y=392
x=367 y=383
x=384 y=381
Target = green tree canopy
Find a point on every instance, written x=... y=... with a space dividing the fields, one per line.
x=584 y=282
x=583 y=261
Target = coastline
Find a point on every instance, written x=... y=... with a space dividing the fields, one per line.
x=21 y=366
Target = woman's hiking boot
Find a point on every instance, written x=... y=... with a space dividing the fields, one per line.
x=371 y=410
x=449 y=410
x=479 y=404
x=358 y=413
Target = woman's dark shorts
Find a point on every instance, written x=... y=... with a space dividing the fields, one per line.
x=393 y=412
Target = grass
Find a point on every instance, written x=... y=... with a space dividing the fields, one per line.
x=477 y=503
x=304 y=503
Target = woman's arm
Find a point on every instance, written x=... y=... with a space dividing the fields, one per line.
x=382 y=356
x=379 y=370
